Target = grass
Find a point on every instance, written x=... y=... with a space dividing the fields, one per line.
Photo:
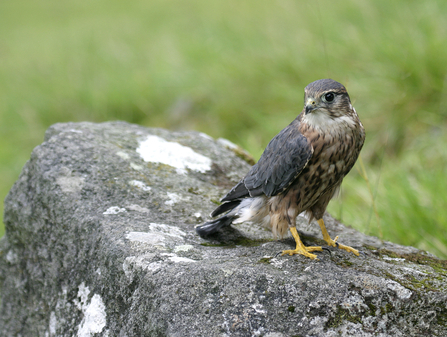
x=237 y=70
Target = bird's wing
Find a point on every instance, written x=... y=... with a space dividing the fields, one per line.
x=284 y=158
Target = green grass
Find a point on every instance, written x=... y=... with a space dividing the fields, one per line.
x=237 y=70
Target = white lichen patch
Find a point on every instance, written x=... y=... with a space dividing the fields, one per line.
x=94 y=317
x=387 y=258
x=83 y=292
x=258 y=308
x=141 y=262
x=114 y=210
x=158 y=150
x=154 y=239
x=158 y=235
x=413 y=271
x=138 y=208
x=136 y=167
x=12 y=257
x=52 y=326
x=227 y=272
x=401 y=292
x=277 y=262
x=166 y=229
x=174 y=198
x=154 y=266
x=146 y=262
x=140 y=185
x=94 y=312
x=177 y=259
x=70 y=184
x=123 y=155
x=354 y=302
x=183 y=248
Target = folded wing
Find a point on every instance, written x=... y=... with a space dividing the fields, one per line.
x=284 y=158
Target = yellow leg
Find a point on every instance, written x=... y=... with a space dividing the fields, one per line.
x=300 y=248
x=333 y=243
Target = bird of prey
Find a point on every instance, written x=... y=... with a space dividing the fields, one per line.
x=300 y=170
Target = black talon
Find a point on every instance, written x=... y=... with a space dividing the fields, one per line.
x=278 y=254
x=324 y=248
x=337 y=245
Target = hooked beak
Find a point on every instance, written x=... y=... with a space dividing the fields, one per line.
x=310 y=106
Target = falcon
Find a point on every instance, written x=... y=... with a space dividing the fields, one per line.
x=300 y=170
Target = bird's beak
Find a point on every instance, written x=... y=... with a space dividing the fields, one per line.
x=311 y=105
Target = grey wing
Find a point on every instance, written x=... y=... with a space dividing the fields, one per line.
x=281 y=163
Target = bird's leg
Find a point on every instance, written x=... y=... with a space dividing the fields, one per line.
x=334 y=243
x=300 y=248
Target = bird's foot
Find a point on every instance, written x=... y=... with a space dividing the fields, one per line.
x=300 y=248
x=334 y=243
x=303 y=251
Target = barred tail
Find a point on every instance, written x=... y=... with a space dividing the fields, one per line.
x=213 y=226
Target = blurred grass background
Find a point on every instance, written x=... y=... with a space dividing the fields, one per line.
x=237 y=69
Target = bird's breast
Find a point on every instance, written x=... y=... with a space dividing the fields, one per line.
x=333 y=157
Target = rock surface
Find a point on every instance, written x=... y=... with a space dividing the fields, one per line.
x=100 y=241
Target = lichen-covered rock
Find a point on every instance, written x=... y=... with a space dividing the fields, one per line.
x=100 y=241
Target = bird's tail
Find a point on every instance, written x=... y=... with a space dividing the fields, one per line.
x=213 y=226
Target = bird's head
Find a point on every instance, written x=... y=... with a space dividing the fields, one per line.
x=326 y=102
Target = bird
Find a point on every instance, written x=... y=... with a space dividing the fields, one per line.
x=300 y=170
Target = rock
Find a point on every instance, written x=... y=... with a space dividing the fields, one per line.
x=100 y=241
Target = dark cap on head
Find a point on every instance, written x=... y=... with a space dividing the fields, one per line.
x=320 y=86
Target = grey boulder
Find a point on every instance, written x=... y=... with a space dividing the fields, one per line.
x=100 y=241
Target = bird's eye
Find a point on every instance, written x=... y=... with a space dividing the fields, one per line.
x=329 y=97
